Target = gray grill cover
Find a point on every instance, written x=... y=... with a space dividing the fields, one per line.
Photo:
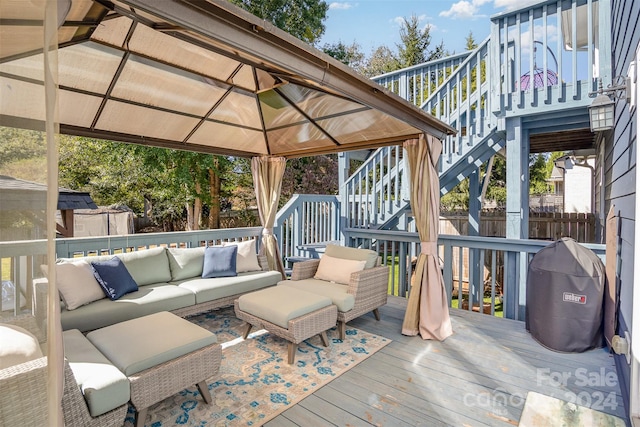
x=565 y=287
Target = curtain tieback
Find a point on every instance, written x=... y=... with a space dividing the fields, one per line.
x=429 y=248
x=267 y=232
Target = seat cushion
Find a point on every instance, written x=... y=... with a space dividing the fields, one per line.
x=280 y=304
x=334 y=291
x=103 y=385
x=207 y=290
x=145 y=342
x=17 y=345
x=146 y=300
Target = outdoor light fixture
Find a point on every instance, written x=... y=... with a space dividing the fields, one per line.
x=601 y=110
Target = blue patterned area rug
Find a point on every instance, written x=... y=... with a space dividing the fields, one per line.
x=255 y=382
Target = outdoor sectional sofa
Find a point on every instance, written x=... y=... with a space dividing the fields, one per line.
x=168 y=279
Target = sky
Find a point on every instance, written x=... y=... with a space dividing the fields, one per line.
x=372 y=23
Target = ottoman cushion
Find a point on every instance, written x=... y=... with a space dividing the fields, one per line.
x=104 y=387
x=142 y=343
x=280 y=304
x=335 y=291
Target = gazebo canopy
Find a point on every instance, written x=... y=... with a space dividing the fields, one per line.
x=200 y=75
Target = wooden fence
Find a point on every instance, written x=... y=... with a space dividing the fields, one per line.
x=542 y=226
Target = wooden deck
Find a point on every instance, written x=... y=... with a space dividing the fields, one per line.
x=480 y=376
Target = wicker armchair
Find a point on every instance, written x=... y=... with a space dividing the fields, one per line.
x=23 y=400
x=369 y=288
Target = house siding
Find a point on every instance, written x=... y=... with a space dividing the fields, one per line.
x=620 y=165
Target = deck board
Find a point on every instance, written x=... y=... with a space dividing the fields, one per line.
x=478 y=377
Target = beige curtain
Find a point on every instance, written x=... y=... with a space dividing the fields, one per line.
x=267 y=182
x=428 y=308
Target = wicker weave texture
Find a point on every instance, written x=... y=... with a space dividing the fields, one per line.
x=159 y=382
x=300 y=328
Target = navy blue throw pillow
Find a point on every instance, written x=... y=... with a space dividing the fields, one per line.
x=219 y=261
x=114 y=278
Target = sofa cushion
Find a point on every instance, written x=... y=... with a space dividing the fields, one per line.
x=103 y=385
x=146 y=300
x=142 y=343
x=77 y=284
x=247 y=257
x=207 y=290
x=147 y=266
x=185 y=263
x=17 y=345
x=279 y=304
x=335 y=291
x=114 y=278
x=336 y=251
x=337 y=270
x=219 y=261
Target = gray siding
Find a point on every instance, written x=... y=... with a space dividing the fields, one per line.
x=620 y=158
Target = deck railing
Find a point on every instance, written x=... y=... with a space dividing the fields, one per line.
x=501 y=264
x=305 y=222
x=375 y=192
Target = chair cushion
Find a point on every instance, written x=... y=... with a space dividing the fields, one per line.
x=247 y=258
x=185 y=263
x=103 y=385
x=114 y=278
x=76 y=284
x=336 y=251
x=334 y=291
x=280 y=304
x=219 y=261
x=337 y=270
x=142 y=343
x=17 y=345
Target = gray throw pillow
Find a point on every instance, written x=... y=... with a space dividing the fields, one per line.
x=219 y=261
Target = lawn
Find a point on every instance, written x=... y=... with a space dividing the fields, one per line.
x=6 y=268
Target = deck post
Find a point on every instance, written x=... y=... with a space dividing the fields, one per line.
x=475 y=277
x=344 y=160
x=517 y=225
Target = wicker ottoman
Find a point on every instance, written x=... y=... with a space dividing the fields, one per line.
x=291 y=314
x=161 y=354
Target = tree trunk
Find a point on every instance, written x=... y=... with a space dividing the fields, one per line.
x=214 y=191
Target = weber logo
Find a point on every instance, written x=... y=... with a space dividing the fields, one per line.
x=570 y=297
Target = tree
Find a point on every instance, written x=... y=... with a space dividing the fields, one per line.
x=415 y=42
x=350 y=55
x=300 y=18
x=310 y=175
x=382 y=60
x=471 y=43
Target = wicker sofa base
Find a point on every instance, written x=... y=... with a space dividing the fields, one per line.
x=306 y=326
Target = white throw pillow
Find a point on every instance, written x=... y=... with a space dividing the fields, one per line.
x=337 y=270
x=17 y=345
x=77 y=284
x=247 y=258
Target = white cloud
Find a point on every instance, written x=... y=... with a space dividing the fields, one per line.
x=465 y=9
x=512 y=4
x=398 y=20
x=342 y=6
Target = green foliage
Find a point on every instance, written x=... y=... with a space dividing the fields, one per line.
x=310 y=175
x=300 y=18
x=471 y=43
x=382 y=60
x=20 y=144
x=350 y=55
x=415 y=42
